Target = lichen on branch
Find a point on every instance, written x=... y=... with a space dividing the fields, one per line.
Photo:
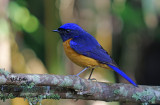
x=36 y=87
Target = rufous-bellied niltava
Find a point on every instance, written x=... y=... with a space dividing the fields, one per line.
x=84 y=50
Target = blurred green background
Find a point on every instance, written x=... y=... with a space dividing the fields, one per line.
x=128 y=30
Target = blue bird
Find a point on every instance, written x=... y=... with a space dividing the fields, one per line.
x=84 y=50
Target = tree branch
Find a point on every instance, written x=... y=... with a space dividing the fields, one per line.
x=44 y=86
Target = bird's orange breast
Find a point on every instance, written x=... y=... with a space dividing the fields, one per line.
x=79 y=59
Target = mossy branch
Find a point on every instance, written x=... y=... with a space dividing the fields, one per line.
x=44 y=86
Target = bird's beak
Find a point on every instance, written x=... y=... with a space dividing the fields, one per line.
x=55 y=30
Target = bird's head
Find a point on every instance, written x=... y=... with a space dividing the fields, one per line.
x=69 y=30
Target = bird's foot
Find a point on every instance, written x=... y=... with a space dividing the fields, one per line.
x=75 y=76
x=92 y=79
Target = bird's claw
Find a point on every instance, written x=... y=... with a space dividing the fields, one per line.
x=75 y=76
x=92 y=79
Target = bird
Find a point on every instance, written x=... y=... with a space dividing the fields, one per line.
x=84 y=50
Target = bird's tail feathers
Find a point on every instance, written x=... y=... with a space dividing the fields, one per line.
x=122 y=74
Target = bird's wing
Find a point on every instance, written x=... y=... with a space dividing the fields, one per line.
x=89 y=47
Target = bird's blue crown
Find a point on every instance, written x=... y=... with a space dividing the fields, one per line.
x=71 y=26
x=69 y=30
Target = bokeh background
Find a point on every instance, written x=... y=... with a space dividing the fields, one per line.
x=128 y=29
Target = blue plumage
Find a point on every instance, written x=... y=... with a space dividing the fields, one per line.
x=85 y=44
x=122 y=74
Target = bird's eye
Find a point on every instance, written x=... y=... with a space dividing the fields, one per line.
x=68 y=31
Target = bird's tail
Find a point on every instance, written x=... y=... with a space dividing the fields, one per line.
x=122 y=74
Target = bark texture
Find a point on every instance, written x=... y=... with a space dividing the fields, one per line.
x=36 y=87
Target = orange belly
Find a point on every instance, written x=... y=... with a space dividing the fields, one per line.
x=79 y=59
